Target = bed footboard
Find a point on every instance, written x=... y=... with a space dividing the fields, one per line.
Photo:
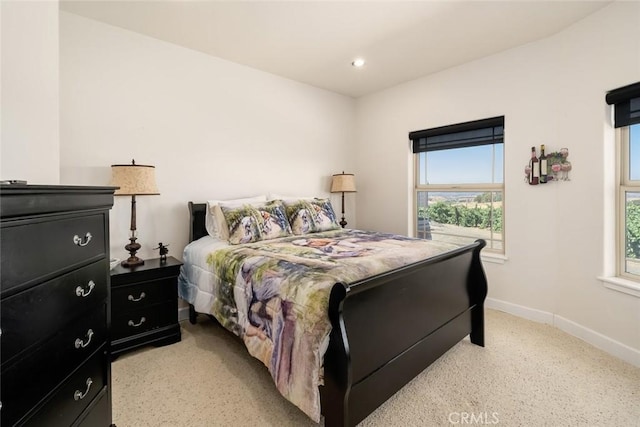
x=389 y=328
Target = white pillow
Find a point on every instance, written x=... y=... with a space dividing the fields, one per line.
x=214 y=220
x=288 y=198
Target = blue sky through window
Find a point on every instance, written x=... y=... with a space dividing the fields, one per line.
x=469 y=165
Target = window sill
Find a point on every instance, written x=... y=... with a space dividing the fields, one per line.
x=619 y=284
x=493 y=258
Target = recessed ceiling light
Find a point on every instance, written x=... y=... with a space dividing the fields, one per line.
x=358 y=63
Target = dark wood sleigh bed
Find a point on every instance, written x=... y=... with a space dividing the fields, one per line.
x=372 y=353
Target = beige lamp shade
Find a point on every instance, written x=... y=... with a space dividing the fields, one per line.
x=343 y=183
x=134 y=180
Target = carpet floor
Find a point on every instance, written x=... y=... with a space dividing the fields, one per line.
x=529 y=374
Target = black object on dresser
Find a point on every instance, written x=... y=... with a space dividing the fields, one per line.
x=145 y=305
x=55 y=317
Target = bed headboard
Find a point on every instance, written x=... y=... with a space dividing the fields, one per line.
x=197 y=229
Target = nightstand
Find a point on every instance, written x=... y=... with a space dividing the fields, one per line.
x=144 y=305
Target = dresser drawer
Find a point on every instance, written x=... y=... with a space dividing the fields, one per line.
x=33 y=315
x=98 y=414
x=138 y=295
x=27 y=380
x=135 y=322
x=68 y=401
x=37 y=251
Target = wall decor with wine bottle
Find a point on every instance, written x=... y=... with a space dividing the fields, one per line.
x=548 y=167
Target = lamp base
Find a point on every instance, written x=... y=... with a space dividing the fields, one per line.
x=132 y=248
x=133 y=261
x=343 y=223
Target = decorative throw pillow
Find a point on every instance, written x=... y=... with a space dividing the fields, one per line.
x=274 y=222
x=243 y=224
x=214 y=219
x=311 y=216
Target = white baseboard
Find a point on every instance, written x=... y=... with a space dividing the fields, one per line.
x=183 y=314
x=613 y=347
x=596 y=339
x=520 y=311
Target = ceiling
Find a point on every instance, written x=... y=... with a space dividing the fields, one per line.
x=314 y=42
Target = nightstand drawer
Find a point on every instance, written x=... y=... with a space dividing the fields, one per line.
x=48 y=305
x=26 y=381
x=38 y=251
x=74 y=395
x=135 y=322
x=124 y=298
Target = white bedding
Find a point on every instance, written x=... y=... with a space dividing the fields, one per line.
x=196 y=283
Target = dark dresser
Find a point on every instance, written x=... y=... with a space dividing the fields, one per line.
x=145 y=305
x=54 y=311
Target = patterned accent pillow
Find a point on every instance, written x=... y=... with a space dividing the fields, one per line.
x=214 y=219
x=311 y=216
x=243 y=223
x=274 y=222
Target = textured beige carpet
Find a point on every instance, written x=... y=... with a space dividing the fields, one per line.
x=529 y=374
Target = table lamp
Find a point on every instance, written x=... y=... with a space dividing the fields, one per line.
x=343 y=183
x=133 y=180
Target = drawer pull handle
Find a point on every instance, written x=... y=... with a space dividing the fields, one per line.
x=78 y=395
x=135 y=325
x=79 y=241
x=80 y=343
x=131 y=297
x=80 y=291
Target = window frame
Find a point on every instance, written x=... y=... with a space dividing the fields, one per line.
x=461 y=187
x=625 y=185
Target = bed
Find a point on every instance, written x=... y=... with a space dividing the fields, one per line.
x=387 y=328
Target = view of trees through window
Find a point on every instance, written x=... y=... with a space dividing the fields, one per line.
x=633 y=233
x=461 y=217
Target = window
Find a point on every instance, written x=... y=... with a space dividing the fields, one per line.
x=629 y=206
x=626 y=101
x=459 y=182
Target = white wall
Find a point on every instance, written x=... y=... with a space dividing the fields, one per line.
x=212 y=128
x=550 y=92
x=29 y=142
